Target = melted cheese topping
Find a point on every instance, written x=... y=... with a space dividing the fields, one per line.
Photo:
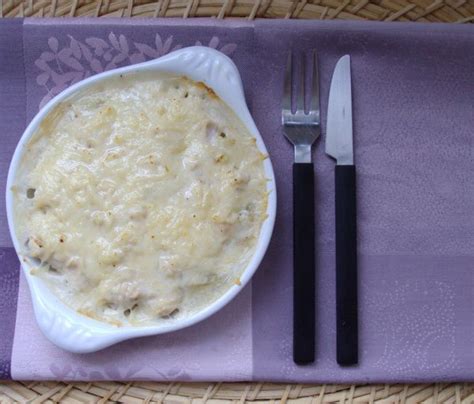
x=141 y=199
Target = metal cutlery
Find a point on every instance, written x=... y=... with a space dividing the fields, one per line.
x=302 y=127
x=339 y=145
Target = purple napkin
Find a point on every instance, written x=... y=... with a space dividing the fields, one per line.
x=413 y=93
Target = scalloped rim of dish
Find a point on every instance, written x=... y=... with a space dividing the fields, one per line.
x=77 y=333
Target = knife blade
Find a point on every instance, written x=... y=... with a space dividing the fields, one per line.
x=339 y=124
x=339 y=145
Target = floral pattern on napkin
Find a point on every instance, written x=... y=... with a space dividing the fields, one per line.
x=69 y=60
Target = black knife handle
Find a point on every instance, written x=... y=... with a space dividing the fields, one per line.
x=346 y=266
x=303 y=264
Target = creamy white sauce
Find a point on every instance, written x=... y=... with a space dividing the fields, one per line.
x=141 y=198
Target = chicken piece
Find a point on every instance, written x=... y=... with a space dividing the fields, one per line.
x=120 y=292
x=107 y=252
x=36 y=248
x=167 y=303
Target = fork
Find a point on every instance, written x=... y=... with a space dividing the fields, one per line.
x=302 y=127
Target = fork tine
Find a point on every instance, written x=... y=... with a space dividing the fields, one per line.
x=286 y=104
x=314 y=106
x=301 y=84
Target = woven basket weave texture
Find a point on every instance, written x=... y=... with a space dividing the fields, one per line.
x=232 y=393
x=459 y=11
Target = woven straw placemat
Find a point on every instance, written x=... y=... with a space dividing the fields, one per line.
x=458 y=11
x=235 y=393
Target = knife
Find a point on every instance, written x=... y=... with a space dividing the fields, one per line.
x=339 y=145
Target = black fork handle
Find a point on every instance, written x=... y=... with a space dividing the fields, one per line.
x=303 y=264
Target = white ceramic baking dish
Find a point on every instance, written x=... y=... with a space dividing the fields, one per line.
x=76 y=333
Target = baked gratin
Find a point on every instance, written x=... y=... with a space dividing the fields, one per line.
x=140 y=199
